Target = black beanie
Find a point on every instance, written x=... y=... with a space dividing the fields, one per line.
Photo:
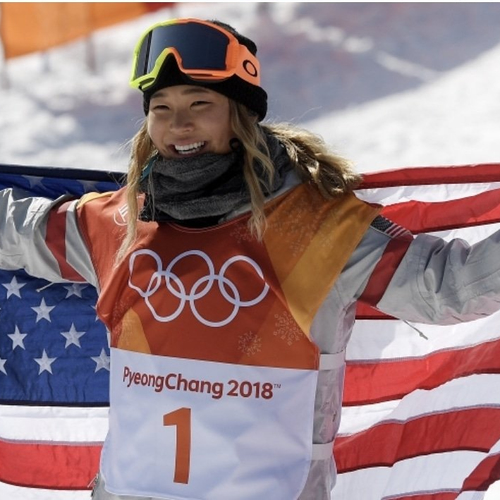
x=235 y=88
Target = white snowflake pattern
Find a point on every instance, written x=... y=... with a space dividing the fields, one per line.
x=241 y=233
x=287 y=329
x=291 y=226
x=249 y=343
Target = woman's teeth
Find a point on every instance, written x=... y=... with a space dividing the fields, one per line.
x=189 y=148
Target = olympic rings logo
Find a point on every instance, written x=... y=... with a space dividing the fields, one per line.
x=199 y=289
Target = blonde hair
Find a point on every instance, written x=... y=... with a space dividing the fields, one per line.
x=310 y=156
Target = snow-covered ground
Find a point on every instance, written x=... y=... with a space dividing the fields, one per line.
x=386 y=84
x=455 y=119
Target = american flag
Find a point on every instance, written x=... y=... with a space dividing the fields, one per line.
x=54 y=365
x=421 y=413
x=421 y=407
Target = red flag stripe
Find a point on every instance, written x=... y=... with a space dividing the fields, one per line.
x=419 y=216
x=388 y=443
x=383 y=272
x=484 y=475
x=382 y=380
x=54 y=466
x=56 y=241
x=470 y=174
x=442 y=495
x=367 y=312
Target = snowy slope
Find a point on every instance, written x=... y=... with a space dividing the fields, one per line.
x=388 y=85
x=453 y=120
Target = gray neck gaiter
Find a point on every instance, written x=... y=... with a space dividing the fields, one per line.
x=205 y=186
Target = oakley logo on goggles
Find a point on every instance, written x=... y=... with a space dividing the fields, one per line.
x=203 y=51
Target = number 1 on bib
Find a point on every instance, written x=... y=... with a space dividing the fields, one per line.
x=181 y=418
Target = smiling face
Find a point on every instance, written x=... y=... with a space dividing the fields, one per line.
x=187 y=120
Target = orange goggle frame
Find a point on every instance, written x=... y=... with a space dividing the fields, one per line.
x=203 y=51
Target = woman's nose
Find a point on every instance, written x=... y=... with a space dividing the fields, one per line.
x=181 y=121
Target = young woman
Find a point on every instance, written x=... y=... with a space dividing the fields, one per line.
x=230 y=289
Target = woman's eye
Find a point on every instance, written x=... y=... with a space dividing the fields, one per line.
x=200 y=103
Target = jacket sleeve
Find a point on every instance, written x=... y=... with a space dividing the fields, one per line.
x=42 y=237
x=429 y=280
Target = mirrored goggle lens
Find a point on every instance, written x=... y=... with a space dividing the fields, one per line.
x=200 y=47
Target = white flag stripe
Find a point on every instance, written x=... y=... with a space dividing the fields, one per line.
x=10 y=492
x=54 y=424
x=432 y=473
x=474 y=495
x=495 y=448
x=470 y=234
x=393 y=340
x=465 y=392
x=358 y=418
x=429 y=193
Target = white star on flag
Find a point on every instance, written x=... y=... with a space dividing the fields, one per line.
x=72 y=337
x=45 y=363
x=2 y=366
x=17 y=338
x=34 y=181
x=102 y=361
x=75 y=289
x=88 y=186
x=43 y=311
x=13 y=288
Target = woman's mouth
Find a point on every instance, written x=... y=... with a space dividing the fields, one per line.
x=189 y=149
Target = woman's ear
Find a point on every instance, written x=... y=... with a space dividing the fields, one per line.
x=236 y=145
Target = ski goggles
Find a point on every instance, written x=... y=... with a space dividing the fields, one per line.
x=203 y=51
